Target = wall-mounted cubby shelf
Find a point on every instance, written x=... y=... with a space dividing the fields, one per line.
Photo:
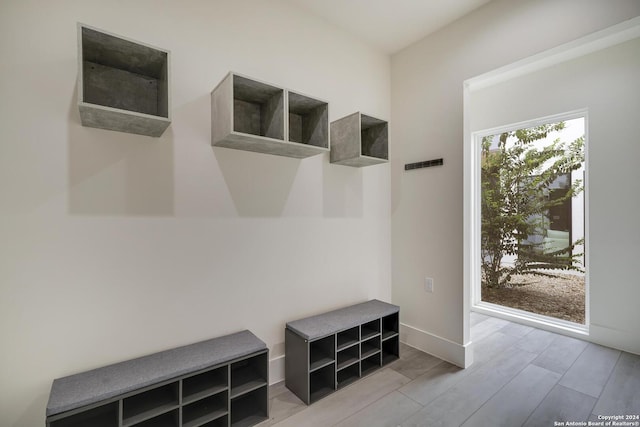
x=329 y=351
x=308 y=120
x=123 y=85
x=250 y=115
x=220 y=382
x=359 y=140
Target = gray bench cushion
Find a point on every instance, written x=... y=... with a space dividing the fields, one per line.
x=104 y=383
x=319 y=326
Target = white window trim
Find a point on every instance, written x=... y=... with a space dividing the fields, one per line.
x=509 y=313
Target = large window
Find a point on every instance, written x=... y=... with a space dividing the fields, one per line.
x=532 y=232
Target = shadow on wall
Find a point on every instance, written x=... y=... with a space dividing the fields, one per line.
x=342 y=191
x=263 y=185
x=259 y=184
x=116 y=173
x=120 y=174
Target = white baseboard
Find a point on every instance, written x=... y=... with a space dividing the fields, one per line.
x=459 y=355
x=615 y=338
x=276 y=370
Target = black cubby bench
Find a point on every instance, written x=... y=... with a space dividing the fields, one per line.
x=220 y=382
x=326 y=352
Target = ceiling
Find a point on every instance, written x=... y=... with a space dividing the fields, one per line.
x=390 y=25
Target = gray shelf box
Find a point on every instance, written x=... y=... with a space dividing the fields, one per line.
x=123 y=85
x=359 y=140
x=308 y=122
x=248 y=114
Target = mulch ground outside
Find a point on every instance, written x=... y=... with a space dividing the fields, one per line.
x=561 y=297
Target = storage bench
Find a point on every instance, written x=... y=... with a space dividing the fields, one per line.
x=326 y=352
x=220 y=382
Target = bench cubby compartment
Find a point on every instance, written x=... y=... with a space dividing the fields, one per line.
x=248 y=375
x=251 y=115
x=348 y=338
x=249 y=408
x=348 y=375
x=205 y=384
x=123 y=85
x=205 y=410
x=370 y=364
x=101 y=416
x=390 y=338
x=322 y=353
x=348 y=356
x=359 y=140
x=370 y=347
x=191 y=386
x=150 y=403
x=370 y=330
x=169 y=419
x=390 y=326
x=220 y=422
x=321 y=382
x=354 y=335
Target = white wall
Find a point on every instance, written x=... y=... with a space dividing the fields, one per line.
x=606 y=84
x=427 y=204
x=114 y=245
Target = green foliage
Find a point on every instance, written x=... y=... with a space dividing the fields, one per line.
x=515 y=180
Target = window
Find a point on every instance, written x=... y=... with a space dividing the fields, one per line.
x=531 y=230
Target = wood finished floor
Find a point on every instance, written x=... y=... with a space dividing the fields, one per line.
x=521 y=377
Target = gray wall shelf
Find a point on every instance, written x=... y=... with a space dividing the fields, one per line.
x=308 y=120
x=123 y=85
x=250 y=115
x=359 y=140
x=218 y=382
x=327 y=352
